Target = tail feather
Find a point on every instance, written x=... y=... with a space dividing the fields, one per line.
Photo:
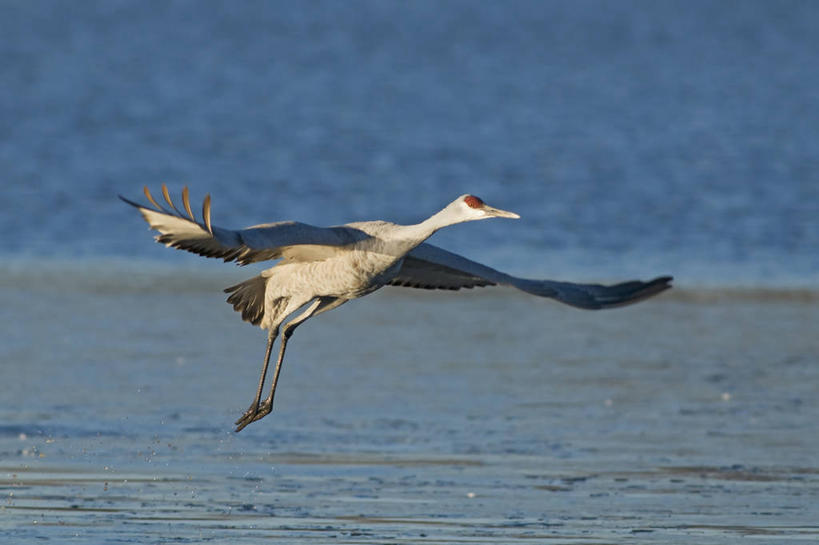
x=248 y=298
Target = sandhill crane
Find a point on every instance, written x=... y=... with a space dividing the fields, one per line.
x=321 y=268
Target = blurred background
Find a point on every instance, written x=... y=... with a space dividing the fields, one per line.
x=634 y=138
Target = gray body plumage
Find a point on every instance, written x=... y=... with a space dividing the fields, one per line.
x=323 y=267
x=338 y=272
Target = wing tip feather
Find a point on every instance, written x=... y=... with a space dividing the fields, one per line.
x=151 y=198
x=186 y=202
x=206 y=213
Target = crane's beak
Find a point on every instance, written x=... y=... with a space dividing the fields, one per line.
x=498 y=213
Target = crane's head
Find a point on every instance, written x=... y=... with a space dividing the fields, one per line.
x=470 y=207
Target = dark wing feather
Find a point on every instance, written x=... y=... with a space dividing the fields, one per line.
x=418 y=273
x=428 y=266
x=257 y=243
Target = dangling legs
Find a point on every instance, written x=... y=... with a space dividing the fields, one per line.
x=254 y=407
x=322 y=304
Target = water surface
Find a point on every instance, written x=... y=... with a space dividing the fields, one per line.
x=408 y=417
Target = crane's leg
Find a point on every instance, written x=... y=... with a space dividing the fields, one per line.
x=254 y=407
x=322 y=304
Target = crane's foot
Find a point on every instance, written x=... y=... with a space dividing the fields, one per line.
x=253 y=414
x=247 y=417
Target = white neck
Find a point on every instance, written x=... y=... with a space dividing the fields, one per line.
x=419 y=232
x=438 y=220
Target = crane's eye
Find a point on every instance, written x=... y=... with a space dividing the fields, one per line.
x=473 y=202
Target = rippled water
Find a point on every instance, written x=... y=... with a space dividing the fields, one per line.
x=409 y=417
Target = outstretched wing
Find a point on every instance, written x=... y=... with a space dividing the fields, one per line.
x=430 y=267
x=257 y=243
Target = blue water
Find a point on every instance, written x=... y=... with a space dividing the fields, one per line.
x=634 y=138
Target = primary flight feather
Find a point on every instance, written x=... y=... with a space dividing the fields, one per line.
x=323 y=267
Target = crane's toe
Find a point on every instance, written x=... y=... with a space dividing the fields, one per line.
x=247 y=417
x=254 y=413
x=264 y=409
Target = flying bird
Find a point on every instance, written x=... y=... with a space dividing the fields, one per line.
x=321 y=268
